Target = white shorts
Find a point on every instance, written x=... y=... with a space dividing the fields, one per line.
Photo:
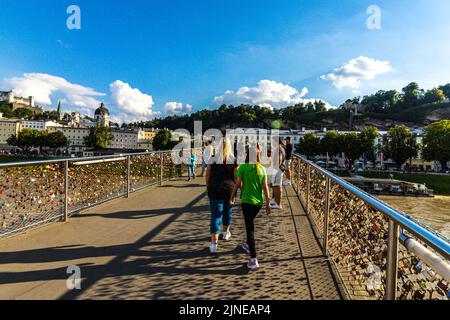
x=287 y=164
x=277 y=178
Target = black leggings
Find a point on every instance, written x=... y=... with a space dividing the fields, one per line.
x=250 y=212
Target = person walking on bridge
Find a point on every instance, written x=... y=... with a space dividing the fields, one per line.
x=252 y=180
x=277 y=175
x=220 y=180
x=287 y=163
x=191 y=165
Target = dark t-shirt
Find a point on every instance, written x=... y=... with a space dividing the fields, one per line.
x=289 y=150
x=221 y=181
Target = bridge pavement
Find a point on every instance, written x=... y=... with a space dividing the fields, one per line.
x=154 y=245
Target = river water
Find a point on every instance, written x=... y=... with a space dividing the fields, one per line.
x=434 y=212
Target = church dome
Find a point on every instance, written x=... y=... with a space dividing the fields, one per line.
x=102 y=111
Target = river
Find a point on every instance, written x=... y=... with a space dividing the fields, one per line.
x=434 y=212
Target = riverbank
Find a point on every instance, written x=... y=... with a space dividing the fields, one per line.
x=439 y=183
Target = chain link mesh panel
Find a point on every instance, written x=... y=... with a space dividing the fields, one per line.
x=91 y=184
x=145 y=170
x=30 y=196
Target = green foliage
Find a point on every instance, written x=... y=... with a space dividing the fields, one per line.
x=382 y=101
x=330 y=144
x=6 y=110
x=163 y=140
x=351 y=145
x=446 y=90
x=47 y=115
x=31 y=138
x=309 y=145
x=23 y=113
x=400 y=145
x=26 y=139
x=56 y=140
x=437 y=142
x=99 y=137
x=367 y=137
x=434 y=95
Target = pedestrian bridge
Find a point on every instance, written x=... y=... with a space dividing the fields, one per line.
x=137 y=230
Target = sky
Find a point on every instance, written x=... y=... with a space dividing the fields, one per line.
x=153 y=58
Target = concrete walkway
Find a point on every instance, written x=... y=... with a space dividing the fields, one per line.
x=154 y=245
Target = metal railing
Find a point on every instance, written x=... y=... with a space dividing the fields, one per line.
x=375 y=250
x=40 y=192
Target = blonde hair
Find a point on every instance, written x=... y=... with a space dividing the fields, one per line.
x=225 y=151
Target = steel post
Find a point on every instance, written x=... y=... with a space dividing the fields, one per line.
x=326 y=215
x=392 y=261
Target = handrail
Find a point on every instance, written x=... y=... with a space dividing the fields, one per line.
x=93 y=158
x=440 y=245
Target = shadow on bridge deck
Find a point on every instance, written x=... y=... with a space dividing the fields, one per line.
x=159 y=250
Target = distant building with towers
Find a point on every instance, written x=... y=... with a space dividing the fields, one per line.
x=20 y=102
x=102 y=116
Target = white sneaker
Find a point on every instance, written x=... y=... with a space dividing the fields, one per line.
x=253 y=264
x=287 y=183
x=275 y=206
x=213 y=248
x=226 y=236
x=245 y=247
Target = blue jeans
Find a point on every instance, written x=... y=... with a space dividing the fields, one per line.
x=221 y=213
x=191 y=171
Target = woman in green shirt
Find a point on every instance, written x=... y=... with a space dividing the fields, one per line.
x=252 y=180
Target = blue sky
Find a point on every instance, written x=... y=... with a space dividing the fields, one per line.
x=164 y=56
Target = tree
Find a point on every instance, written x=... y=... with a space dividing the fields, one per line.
x=57 y=140
x=434 y=95
x=23 y=113
x=330 y=144
x=26 y=140
x=319 y=106
x=382 y=101
x=400 y=145
x=436 y=143
x=446 y=90
x=411 y=95
x=99 y=137
x=367 y=139
x=309 y=145
x=163 y=140
x=351 y=146
x=6 y=110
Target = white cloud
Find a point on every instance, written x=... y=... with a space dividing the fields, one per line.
x=177 y=108
x=132 y=104
x=268 y=94
x=356 y=70
x=42 y=86
x=265 y=93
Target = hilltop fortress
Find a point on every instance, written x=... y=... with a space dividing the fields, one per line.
x=19 y=102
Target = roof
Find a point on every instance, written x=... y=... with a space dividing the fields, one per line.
x=102 y=110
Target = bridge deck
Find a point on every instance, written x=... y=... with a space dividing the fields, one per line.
x=154 y=245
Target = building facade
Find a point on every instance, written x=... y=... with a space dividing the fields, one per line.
x=8 y=128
